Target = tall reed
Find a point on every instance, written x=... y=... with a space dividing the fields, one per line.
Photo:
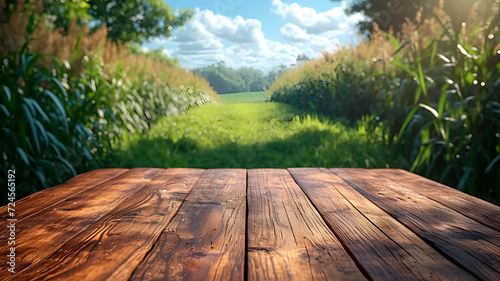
x=66 y=98
x=428 y=93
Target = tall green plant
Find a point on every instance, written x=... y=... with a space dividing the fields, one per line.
x=33 y=121
x=455 y=124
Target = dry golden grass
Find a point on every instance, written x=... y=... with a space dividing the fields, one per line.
x=370 y=55
x=115 y=56
x=59 y=44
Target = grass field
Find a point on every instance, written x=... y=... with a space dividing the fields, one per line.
x=245 y=97
x=248 y=135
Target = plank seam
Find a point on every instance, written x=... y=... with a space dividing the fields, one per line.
x=454 y=209
x=166 y=225
x=71 y=195
x=428 y=242
x=83 y=229
x=245 y=272
x=346 y=248
x=368 y=219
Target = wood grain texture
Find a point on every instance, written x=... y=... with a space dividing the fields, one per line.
x=206 y=238
x=37 y=237
x=287 y=238
x=470 y=206
x=383 y=247
x=43 y=199
x=114 y=245
x=473 y=245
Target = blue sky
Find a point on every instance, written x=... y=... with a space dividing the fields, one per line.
x=259 y=34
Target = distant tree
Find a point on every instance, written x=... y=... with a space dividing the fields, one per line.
x=224 y=79
x=253 y=78
x=276 y=73
x=302 y=58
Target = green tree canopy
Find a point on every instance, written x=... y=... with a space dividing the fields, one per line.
x=126 y=20
x=388 y=14
x=224 y=79
x=62 y=13
x=391 y=14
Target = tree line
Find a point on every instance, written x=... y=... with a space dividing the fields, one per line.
x=224 y=79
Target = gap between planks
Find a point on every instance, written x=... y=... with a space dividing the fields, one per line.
x=52 y=227
x=98 y=253
x=385 y=248
x=465 y=241
x=287 y=238
x=206 y=238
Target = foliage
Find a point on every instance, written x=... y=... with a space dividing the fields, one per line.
x=33 y=121
x=156 y=54
x=275 y=73
x=431 y=94
x=62 y=14
x=44 y=134
x=302 y=58
x=224 y=79
x=249 y=135
x=390 y=16
x=124 y=20
x=314 y=88
x=132 y=20
x=64 y=116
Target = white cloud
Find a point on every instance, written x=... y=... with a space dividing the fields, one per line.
x=293 y=33
x=209 y=44
x=209 y=38
x=314 y=32
x=207 y=25
x=314 y=22
x=235 y=30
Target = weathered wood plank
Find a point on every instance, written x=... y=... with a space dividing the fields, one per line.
x=39 y=236
x=206 y=238
x=113 y=247
x=470 y=206
x=473 y=245
x=43 y=199
x=382 y=246
x=287 y=238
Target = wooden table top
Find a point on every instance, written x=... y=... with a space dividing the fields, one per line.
x=262 y=224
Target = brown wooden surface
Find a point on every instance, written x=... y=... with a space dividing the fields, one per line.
x=381 y=245
x=50 y=196
x=287 y=238
x=470 y=206
x=99 y=252
x=474 y=246
x=295 y=224
x=39 y=236
x=206 y=239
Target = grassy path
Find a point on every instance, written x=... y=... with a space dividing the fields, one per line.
x=248 y=135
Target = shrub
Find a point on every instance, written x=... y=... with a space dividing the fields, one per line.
x=63 y=112
x=432 y=93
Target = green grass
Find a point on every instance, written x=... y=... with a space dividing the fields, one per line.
x=245 y=97
x=248 y=135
